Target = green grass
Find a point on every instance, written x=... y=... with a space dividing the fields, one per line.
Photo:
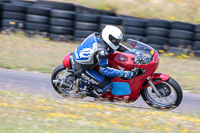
x=38 y=54
x=22 y=113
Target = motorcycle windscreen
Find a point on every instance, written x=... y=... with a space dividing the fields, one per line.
x=121 y=88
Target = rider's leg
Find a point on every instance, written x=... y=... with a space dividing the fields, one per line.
x=97 y=81
x=77 y=70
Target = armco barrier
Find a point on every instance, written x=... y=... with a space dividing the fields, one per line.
x=66 y=22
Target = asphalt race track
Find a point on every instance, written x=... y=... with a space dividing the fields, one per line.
x=39 y=84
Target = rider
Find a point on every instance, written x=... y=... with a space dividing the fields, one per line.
x=95 y=50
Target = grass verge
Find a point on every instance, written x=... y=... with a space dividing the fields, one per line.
x=180 y=10
x=22 y=113
x=37 y=54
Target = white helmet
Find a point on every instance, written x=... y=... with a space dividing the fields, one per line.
x=112 y=35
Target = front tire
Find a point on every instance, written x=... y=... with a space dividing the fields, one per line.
x=168 y=89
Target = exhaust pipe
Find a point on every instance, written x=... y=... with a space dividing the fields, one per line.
x=62 y=84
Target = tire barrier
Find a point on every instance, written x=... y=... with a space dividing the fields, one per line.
x=134 y=28
x=196 y=44
x=38 y=10
x=12 y=16
x=26 y=3
x=84 y=25
x=134 y=22
x=13 y=7
x=181 y=35
x=68 y=22
x=37 y=19
x=61 y=24
x=197 y=53
x=158 y=23
x=182 y=26
x=11 y=23
x=87 y=18
x=64 y=14
x=37 y=27
x=109 y=20
x=157 y=32
x=154 y=31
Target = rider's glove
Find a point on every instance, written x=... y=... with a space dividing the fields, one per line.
x=126 y=75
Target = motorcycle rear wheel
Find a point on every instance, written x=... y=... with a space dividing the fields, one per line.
x=58 y=73
x=166 y=88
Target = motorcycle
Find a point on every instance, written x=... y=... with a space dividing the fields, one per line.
x=158 y=90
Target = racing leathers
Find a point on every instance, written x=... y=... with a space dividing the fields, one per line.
x=91 y=52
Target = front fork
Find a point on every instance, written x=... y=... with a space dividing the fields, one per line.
x=150 y=81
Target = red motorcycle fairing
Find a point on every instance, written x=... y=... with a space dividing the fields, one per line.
x=125 y=61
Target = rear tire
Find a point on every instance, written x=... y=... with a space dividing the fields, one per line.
x=170 y=83
x=61 y=91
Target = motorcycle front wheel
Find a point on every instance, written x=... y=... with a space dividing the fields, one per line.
x=171 y=95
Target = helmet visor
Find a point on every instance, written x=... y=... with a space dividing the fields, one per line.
x=114 y=40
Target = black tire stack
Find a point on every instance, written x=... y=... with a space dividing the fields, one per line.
x=61 y=20
x=134 y=28
x=157 y=33
x=37 y=19
x=61 y=25
x=196 y=44
x=181 y=36
x=23 y=2
x=66 y=21
x=84 y=25
x=12 y=16
x=109 y=20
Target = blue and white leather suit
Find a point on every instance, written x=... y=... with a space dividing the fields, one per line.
x=91 y=52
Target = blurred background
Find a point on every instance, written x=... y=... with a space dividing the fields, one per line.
x=167 y=25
